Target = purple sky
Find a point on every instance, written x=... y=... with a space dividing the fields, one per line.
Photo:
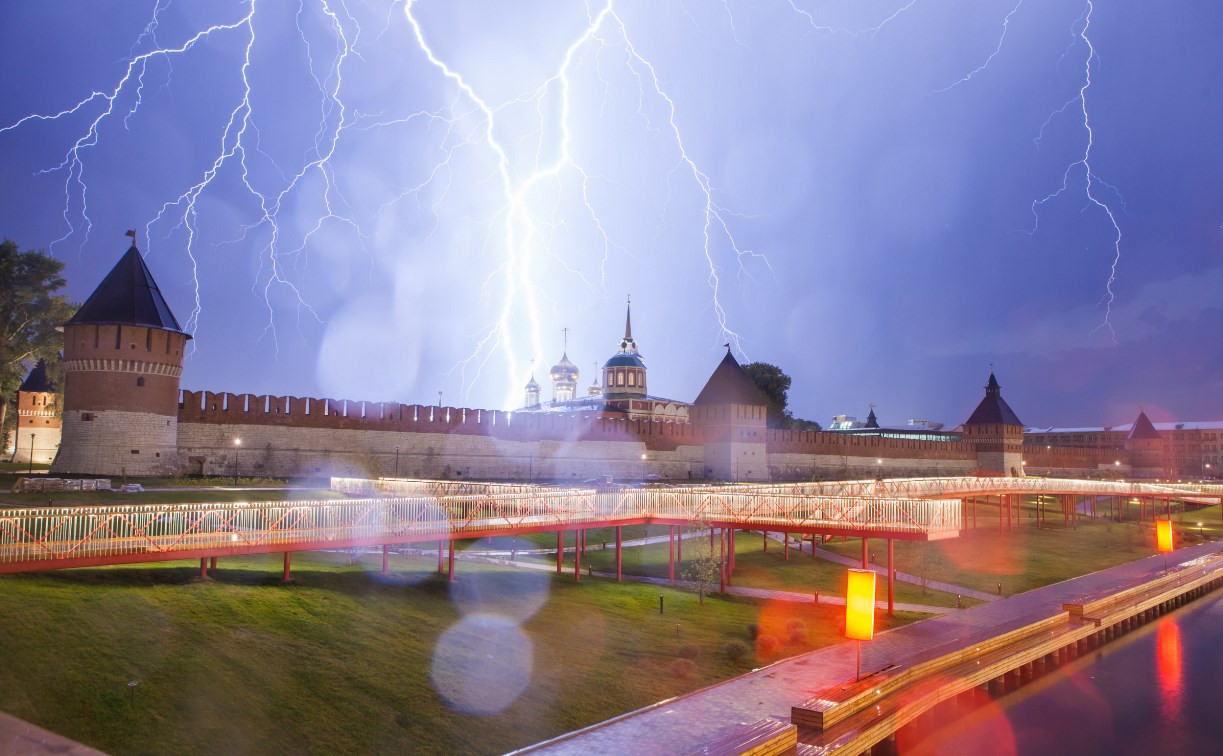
x=846 y=189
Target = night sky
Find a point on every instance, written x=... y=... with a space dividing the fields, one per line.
x=845 y=189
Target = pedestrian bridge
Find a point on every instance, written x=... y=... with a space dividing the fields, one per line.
x=400 y=512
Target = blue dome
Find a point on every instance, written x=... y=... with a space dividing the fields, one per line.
x=625 y=359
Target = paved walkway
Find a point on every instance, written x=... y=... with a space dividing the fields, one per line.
x=684 y=724
x=21 y=738
x=734 y=590
x=905 y=577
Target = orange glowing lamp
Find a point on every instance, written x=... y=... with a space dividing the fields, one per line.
x=1163 y=536
x=860 y=605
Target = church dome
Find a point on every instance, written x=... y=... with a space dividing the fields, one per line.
x=532 y=384
x=564 y=371
x=625 y=359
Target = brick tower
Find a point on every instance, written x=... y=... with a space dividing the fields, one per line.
x=731 y=415
x=996 y=433
x=38 y=424
x=123 y=357
x=1146 y=449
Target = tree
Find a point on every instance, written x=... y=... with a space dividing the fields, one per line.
x=774 y=385
x=704 y=566
x=30 y=313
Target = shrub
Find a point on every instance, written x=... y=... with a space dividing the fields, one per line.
x=735 y=650
x=797 y=630
x=688 y=651
x=766 y=644
x=682 y=669
x=753 y=631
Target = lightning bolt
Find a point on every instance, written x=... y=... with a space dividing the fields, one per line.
x=1083 y=23
x=1006 y=23
x=519 y=220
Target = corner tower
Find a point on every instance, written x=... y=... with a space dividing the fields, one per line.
x=996 y=432
x=123 y=358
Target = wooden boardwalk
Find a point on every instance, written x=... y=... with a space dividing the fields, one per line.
x=1036 y=621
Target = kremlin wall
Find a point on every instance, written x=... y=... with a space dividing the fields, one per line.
x=125 y=414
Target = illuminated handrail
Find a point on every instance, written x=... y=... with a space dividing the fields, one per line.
x=37 y=535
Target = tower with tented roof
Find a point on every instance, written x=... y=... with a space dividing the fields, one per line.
x=732 y=414
x=996 y=432
x=123 y=358
x=38 y=421
x=1145 y=448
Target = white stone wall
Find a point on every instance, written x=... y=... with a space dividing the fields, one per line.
x=116 y=442
x=209 y=449
x=46 y=443
x=793 y=466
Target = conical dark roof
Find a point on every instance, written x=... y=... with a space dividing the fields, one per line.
x=37 y=380
x=729 y=384
x=1143 y=430
x=993 y=409
x=871 y=420
x=127 y=296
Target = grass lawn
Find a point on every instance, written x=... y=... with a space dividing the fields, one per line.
x=347 y=660
x=755 y=569
x=1027 y=557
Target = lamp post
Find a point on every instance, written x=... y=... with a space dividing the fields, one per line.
x=237 y=447
x=643 y=457
x=31 y=454
x=1163 y=538
x=396 y=461
x=860 y=610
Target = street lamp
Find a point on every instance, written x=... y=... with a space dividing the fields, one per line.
x=396 y=461
x=237 y=446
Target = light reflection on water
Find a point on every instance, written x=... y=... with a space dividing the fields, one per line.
x=1158 y=689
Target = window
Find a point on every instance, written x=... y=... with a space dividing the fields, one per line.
x=632 y=379
x=140 y=381
x=86 y=416
x=620 y=378
x=148 y=339
x=118 y=336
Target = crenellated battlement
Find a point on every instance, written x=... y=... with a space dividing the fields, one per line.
x=853 y=445
x=224 y=408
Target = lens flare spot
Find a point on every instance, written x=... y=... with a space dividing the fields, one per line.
x=482 y=664
x=513 y=595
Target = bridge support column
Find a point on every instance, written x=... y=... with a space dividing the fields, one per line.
x=560 y=551
x=730 y=563
x=785 y=546
x=619 y=553
x=577 y=557
x=866 y=556
x=891 y=578
x=288 y=564
x=671 y=555
x=765 y=539
x=203 y=567
x=386 y=558
x=679 y=545
x=212 y=564
x=441 y=547
x=722 y=560
x=450 y=565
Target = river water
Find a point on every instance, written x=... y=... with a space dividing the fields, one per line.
x=1157 y=690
